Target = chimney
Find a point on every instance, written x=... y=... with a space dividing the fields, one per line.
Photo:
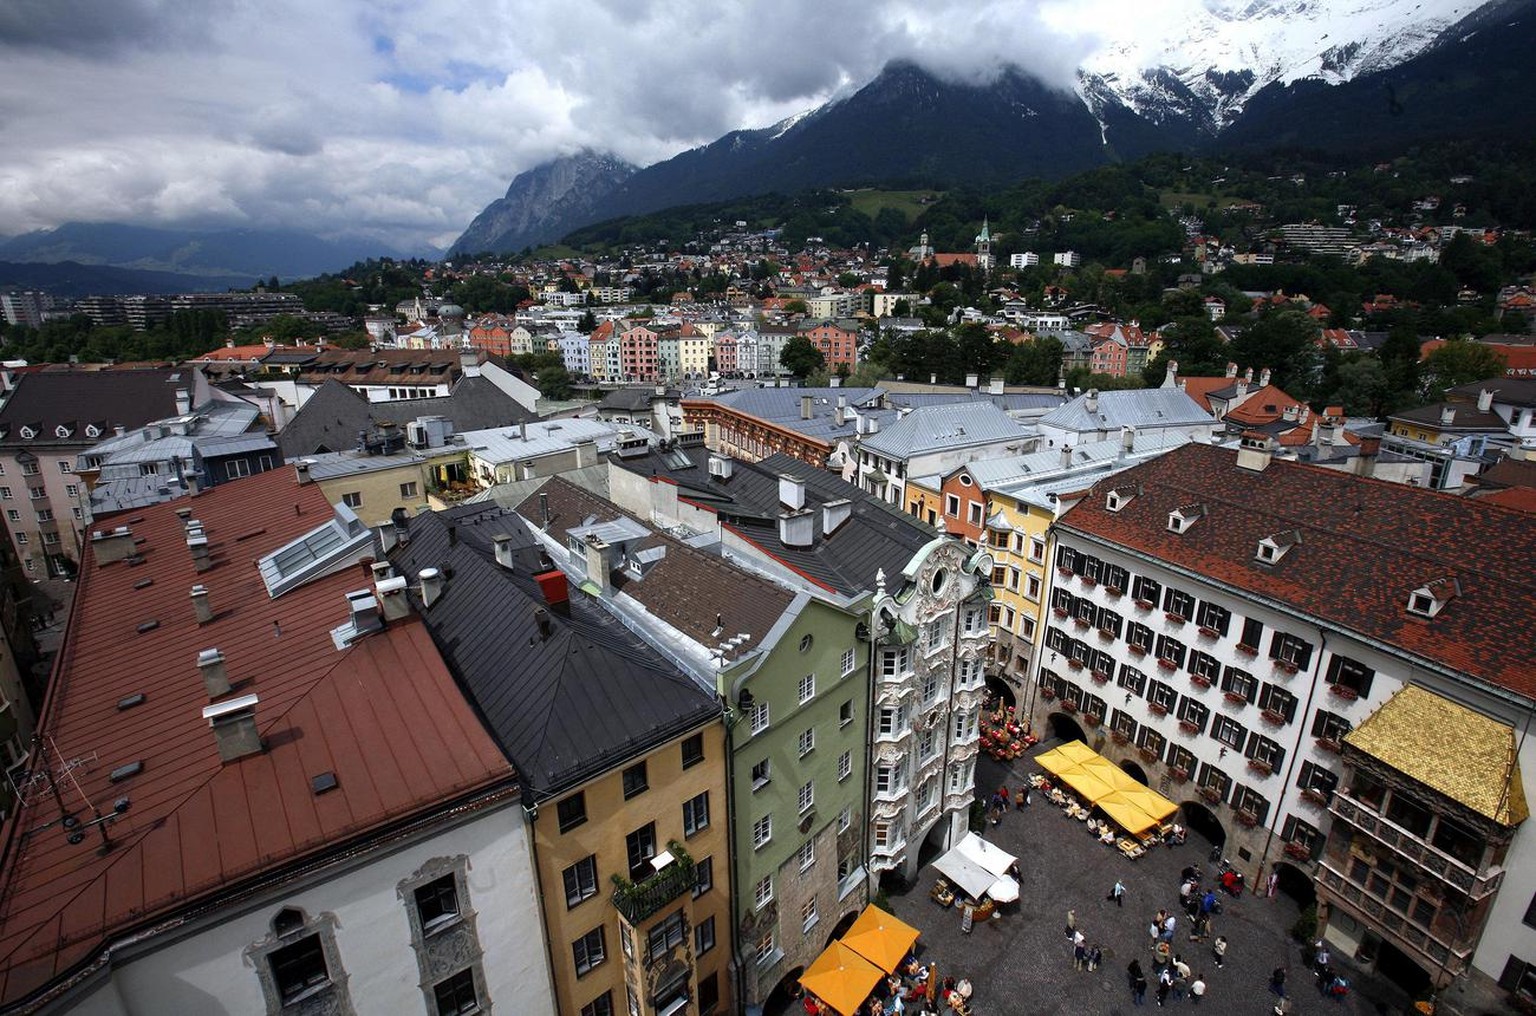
x=600 y=563
x=377 y=571
x=553 y=585
x=797 y=528
x=431 y=586
x=1447 y=415
x=504 y=551
x=995 y=386
x=1290 y=413
x=1091 y=400
x=836 y=381
x=544 y=509
x=972 y=380
x=1254 y=452
x=834 y=514
x=546 y=627
x=1242 y=390
x=1370 y=447
x=197 y=543
x=805 y=407
x=1066 y=456
x=363 y=608
x=1248 y=375
x=791 y=492
x=839 y=414
x=1264 y=377
x=522 y=431
x=933 y=379
x=1127 y=440
x=393 y=606
x=215 y=677
x=192 y=484
x=234 y=727
x=301 y=470
x=111 y=545
x=469 y=363
x=118 y=429
x=1231 y=369
x=200 y=604
x=1485 y=400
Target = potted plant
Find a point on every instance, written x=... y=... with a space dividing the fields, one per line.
x=1209 y=632
x=1199 y=680
x=1157 y=708
x=1148 y=755
x=1273 y=717
x=1119 y=737
x=1211 y=795
x=1066 y=572
x=1247 y=818
x=1075 y=664
x=1060 y=612
x=1261 y=767
x=1314 y=796
x=1081 y=622
x=1328 y=744
x=1107 y=633
x=1068 y=706
x=1088 y=580
x=1113 y=590
x=1344 y=692
x=1247 y=650
x=1092 y=719
x=1189 y=726
x=1299 y=851
x=1102 y=677
x=1236 y=698
x=1286 y=665
x=1047 y=694
x=1145 y=604
x=1178 y=774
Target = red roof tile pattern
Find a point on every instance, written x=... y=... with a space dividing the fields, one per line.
x=1262 y=407
x=1366 y=545
x=383 y=715
x=1200 y=388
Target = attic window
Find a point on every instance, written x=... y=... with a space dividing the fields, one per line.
x=1120 y=497
x=1429 y=599
x=92 y=431
x=28 y=433
x=1273 y=548
x=62 y=430
x=1180 y=519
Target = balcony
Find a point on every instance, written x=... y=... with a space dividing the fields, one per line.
x=1476 y=884
x=1433 y=952
x=637 y=901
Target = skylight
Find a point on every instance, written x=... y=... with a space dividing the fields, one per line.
x=341 y=541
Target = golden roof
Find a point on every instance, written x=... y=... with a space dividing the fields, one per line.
x=1453 y=750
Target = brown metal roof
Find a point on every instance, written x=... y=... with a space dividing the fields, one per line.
x=383 y=715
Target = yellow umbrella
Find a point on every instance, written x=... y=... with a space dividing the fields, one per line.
x=841 y=978
x=880 y=938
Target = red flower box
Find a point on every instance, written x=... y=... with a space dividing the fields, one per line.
x=1081 y=622
x=1198 y=681
x=1286 y=665
x=1147 y=754
x=1175 y=619
x=1064 y=570
x=1138 y=650
x=1059 y=611
x=1178 y=775
x=1236 y=699
x=1328 y=744
x=1316 y=797
x=1167 y=664
x=1157 y=708
x=1101 y=677
x=1299 y=851
x=1047 y=694
x=1344 y=692
x=1209 y=632
x=1247 y=818
x=1107 y=633
x=1075 y=664
x=1261 y=767
x=1067 y=705
x=1113 y=590
x=1189 y=727
x=1273 y=717
x=1092 y=719
x=1118 y=737
x=1247 y=650
x=1145 y=604
x=1088 y=580
x=1211 y=795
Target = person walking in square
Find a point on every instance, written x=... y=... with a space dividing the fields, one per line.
x=1117 y=894
x=1219 y=948
x=1003 y=793
x=1164 y=985
x=1277 y=982
x=1169 y=924
x=1021 y=799
x=1071 y=922
x=1138 y=982
x=1079 y=955
x=1197 y=989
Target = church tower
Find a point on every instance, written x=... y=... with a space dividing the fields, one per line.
x=984 y=247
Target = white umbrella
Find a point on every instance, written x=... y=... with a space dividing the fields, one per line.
x=1004 y=890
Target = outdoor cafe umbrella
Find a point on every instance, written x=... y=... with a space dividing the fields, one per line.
x=880 y=938
x=841 y=978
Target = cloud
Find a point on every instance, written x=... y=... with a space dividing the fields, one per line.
x=401 y=119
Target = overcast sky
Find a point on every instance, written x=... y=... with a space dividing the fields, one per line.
x=401 y=119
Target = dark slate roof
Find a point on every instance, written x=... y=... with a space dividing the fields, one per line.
x=1366 y=546
x=1466 y=418
x=333 y=416
x=564 y=708
x=1518 y=391
x=876 y=536
x=76 y=399
x=634 y=400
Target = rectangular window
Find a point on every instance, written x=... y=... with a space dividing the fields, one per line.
x=952 y=506
x=1109 y=622
x=850 y=658
x=762 y=893
x=696 y=814
x=1036 y=550
x=1179 y=603
x=703 y=877
x=634 y=780
x=1213 y=616
x=807 y=741
x=1170 y=649
x=1274 y=698
x=845 y=713
x=299 y=968
x=762 y=772
x=1032 y=587
x=580 y=880
x=602 y=1005
x=845 y=819
x=807 y=855
x=844 y=766
x=704 y=936
x=762 y=831
x=893 y=720
x=693 y=750
x=808 y=915
x=352 y=499
x=456 y=995
x=1229 y=732
x=13 y=515
x=709 y=994
x=1145 y=590
x=588 y=951
x=666 y=935
x=807 y=797
x=807 y=688
x=1290 y=650
x=641 y=847
x=759 y=717
x=1132 y=679
x=1253 y=632
x=1116 y=578
x=1162 y=695
x=927 y=744
x=895 y=662
x=1140 y=636
x=1214 y=780
x=437 y=904
x=72 y=490
x=1265 y=751
x=1240 y=683
x=1194 y=712
x=5 y=492
x=1246 y=799
x=65 y=466
x=1330 y=726
x=1317 y=779
x=410 y=489
x=572 y=811
x=1205 y=665
x=1342 y=671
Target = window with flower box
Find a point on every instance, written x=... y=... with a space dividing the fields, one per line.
x=1291 y=651
x=1317 y=783
x=1124 y=724
x=1329 y=729
x=1182 y=759
x=1229 y=732
x=1145 y=590
x=1102 y=664
x=1061 y=600
x=1205 y=666
x=1139 y=637
x=1247 y=801
x=1162 y=695
x=1303 y=841
x=1264 y=752
x=1213 y=617
x=1084 y=612
x=1116 y=578
x=1213 y=783
x=1110 y=623
x=1171 y=650
x=1092 y=705
x=1090 y=568
x=1253 y=635
x=1239 y=683
x=1132 y=679
x=1351 y=675
x=1079 y=651
x=1193 y=714
x=1152 y=743
x=1067 y=558
x=1179 y=604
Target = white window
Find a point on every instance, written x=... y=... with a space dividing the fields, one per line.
x=807 y=689
x=976 y=619
x=766 y=949
x=927 y=744
x=50 y=539
x=970 y=673
x=72 y=489
x=807 y=741
x=807 y=798
x=845 y=713
x=21 y=540
x=1027 y=628
x=808 y=915
x=959 y=778
x=937 y=635
x=807 y=854
x=895 y=662
x=965 y=724
x=352 y=499
x=975 y=512
x=1032 y=587
x=844 y=766
x=952 y=506
x=78 y=512
x=882 y=834
x=762 y=893
x=13 y=515
x=5 y=492
x=762 y=831
x=893 y=720
x=409 y=489
x=845 y=819
x=65 y=466
x=236 y=468
x=850 y=657
x=759 y=717
x=1036 y=549
x=762 y=772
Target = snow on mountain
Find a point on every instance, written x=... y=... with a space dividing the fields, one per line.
x=1206 y=64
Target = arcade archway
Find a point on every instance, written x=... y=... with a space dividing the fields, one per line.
x=843 y=924
x=1135 y=772
x=782 y=998
x=1203 y=821
x=999 y=688
x=1065 y=728
x=1296 y=884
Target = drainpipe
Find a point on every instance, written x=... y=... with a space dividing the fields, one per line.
x=1290 y=768
x=738 y=963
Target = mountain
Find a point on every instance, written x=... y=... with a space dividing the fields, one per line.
x=545 y=203
x=248 y=253
x=72 y=280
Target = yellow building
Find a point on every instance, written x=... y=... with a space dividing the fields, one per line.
x=373 y=486
x=1016 y=532
x=923 y=498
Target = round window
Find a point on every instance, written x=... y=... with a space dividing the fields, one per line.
x=805 y=643
x=940 y=580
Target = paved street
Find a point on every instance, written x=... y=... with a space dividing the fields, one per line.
x=1021 y=963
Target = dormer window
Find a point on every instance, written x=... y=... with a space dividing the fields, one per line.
x=1273 y=548
x=92 y=431
x=1120 y=497
x=62 y=430
x=28 y=433
x=1429 y=599
x=1180 y=519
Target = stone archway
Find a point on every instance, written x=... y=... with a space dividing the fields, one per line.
x=1065 y=728
x=782 y=998
x=843 y=924
x=1001 y=689
x=1296 y=884
x=1203 y=821
x=1135 y=772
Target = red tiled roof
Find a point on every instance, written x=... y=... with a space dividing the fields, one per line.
x=383 y=715
x=1366 y=545
x=1519 y=498
x=1200 y=388
x=1519 y=361
x=1264 y=406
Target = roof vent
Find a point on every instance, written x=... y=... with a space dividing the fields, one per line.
x=215 y=676
x=200 y=605
x=129 y=701
x=791 y=492
x=110 y=546
x=1181 y=518
x=505 y=551
x=834 y=514
x=234 y=727
x=392 y=600
x=797 y=528
x=126 y=772
x=363 y=608
x=431 y=586
x=324 y=782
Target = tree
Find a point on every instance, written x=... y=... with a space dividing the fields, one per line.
x=795 y=307
x=800 y=357
x=588 y=323
x=554 y=382
x=1285 y=341
x=1034 y=363
x=1459 y=362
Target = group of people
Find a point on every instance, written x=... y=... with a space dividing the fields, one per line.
x=916 y=989
x=1002 y=799
x=1085 y=955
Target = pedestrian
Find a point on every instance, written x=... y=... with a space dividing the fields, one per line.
x=1133 y=971
x=1021 y=799
x=1095 y=957
x=997 y=809
x=1078 y=938
x=1079 y=955
x=1139 y=989
x=1208 y=902
x=1071 y=922
x=1164 y=985
x=1219 y=947
x=1003 y=793
x=1156 y=927
x=1197 y=989
x=1185 y=888
x=1321 y=958
x=1117 y=894
x=1029 y=792
x=1169 y=924
x=1277 y=982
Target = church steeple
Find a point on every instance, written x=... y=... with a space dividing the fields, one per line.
x=984 y=247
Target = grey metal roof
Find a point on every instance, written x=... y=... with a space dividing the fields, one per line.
x=1133 y=407
x=942 y=428
x=567 y=707
x=545 y=437
x=1001 y=475
x=333 y=416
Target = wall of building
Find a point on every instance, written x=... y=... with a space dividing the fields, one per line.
x=203 y=968
x=64 y=494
